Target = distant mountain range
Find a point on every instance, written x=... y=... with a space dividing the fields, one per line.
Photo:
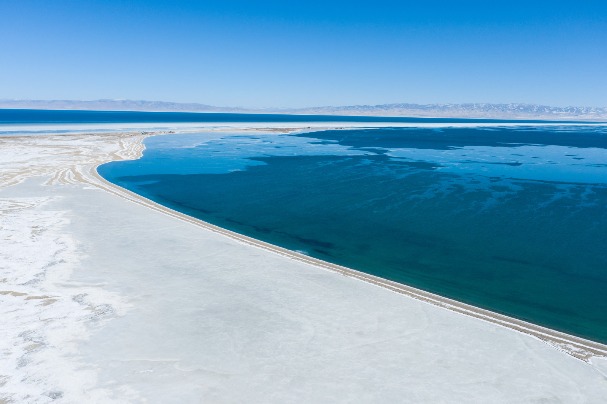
x=490 y=111
x=470 y=110
x=115 y=105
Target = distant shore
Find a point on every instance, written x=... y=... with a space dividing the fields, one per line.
x=451 y=111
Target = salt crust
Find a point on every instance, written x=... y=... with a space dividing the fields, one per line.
x=47 y=316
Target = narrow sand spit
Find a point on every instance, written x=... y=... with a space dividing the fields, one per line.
x=109 y=297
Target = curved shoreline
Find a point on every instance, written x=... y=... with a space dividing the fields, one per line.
x=577 y=347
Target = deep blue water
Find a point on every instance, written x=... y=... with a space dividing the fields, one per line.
x=38 y=116
x=510 y=219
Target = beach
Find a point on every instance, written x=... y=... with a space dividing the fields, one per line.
x=109 y=297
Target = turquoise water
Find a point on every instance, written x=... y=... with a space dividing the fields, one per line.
x=509 y=219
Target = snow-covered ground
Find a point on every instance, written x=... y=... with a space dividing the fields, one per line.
x=106 y=300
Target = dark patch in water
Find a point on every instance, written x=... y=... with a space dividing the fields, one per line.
x=425 y=138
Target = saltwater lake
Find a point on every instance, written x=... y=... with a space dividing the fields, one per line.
x=511 y=219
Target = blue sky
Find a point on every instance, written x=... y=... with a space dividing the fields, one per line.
x=292 y=54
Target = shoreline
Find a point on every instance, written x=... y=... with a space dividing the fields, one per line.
x=577 y=347
x=109 y=128
x=109 y=297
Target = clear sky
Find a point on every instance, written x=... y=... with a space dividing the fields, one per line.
x=306 y=53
